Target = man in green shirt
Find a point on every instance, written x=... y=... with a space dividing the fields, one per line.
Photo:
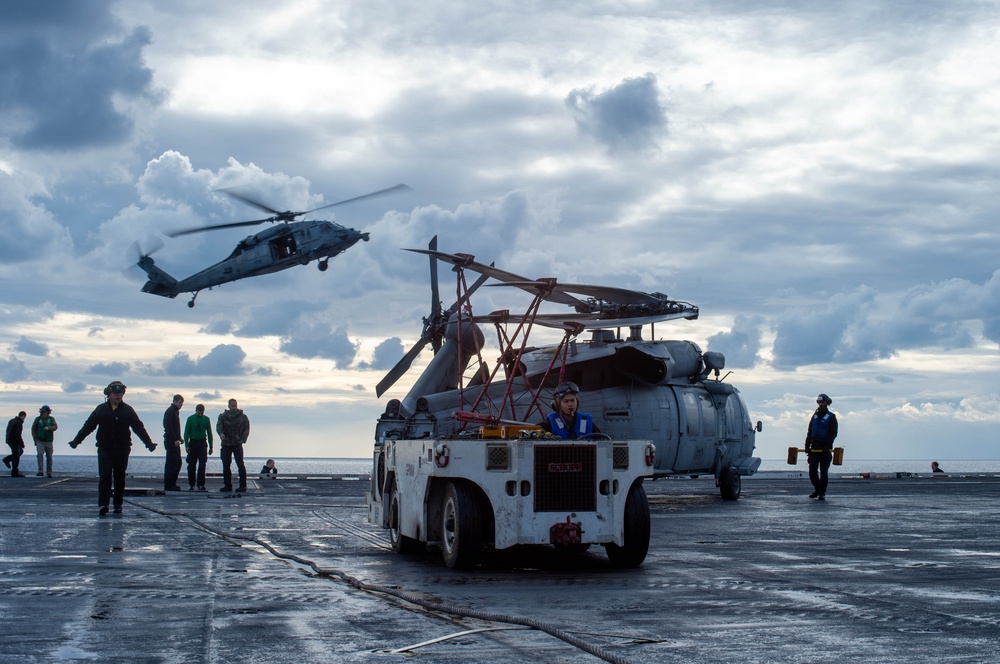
x=41 y=433
x=198 y=445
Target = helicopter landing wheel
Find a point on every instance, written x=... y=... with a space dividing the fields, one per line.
x=322 y=265
x=730 y=483
x=191 y=301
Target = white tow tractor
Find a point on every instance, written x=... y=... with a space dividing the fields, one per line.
x=504 y=486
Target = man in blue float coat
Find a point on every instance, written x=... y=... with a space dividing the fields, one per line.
x=566 y=421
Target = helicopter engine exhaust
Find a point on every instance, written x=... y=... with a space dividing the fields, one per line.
x=442 y=372
x=657 y=364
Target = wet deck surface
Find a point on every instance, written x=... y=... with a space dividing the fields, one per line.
x=896 y=570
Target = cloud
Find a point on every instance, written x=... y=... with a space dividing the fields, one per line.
x=742 y=343
x=30 y=231
x=223 y=360
x=67 y=87
x=312 y=339
x=74 y=387
x=863 y=325
x=385 y=355
x=25 y=345
x=109 y=369
x=13 y=370
x=626 y=117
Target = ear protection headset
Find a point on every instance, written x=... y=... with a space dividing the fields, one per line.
x=115 y=386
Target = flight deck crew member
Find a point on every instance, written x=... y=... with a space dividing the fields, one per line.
x=819 y=445
x=172 y=442
x=198 y=445
x=565 y=420
x=41 y=433
x=113 y=420
x=15 y=440
x=233 y=427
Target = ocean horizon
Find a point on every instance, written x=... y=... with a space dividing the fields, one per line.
x=144 y=464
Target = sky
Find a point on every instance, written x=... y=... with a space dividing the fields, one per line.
x=820 y=179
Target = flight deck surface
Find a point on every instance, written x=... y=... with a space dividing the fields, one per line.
x=885 y=570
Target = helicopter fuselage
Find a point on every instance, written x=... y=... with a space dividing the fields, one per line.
x=272 y=249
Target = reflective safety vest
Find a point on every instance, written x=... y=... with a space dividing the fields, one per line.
x=583 y=425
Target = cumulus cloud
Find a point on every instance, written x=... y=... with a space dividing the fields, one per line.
x=109 y=368
x=863 y=325
x=25 y=345
x=29 y=230
x=742 y=343
x=74 y=386
x=628 y=116
x=13 y=370
x=312 y=339
x=978 y=408
x=385 y=355
x=223 y=360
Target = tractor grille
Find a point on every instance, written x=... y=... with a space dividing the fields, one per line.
x=497 y=457
x=565 y=478
x=619 y=455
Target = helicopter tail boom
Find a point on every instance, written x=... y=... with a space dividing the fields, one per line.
x=160 y=283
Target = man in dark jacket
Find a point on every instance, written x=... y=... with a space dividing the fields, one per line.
x=173 y=440
x=114 y=420
x=819 y=445
x=233 y=428
x=15 y=429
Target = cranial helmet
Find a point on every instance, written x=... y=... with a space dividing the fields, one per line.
x=115 y=386
x=562 y=390
x=824 y=399
x=44 y=409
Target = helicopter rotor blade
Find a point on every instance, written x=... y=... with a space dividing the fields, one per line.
x=435 y=295
x=234 y=224
x=401 y=367
x=364 y=197
x=249 y=201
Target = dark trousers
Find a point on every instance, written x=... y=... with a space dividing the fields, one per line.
x=14 y=459
x=111 y=466
x=172 y=466
x=228 y=453
x=819 y=470
x=196 y=459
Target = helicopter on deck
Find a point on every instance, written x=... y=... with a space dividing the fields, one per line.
x=461 y=460
x=286 y=244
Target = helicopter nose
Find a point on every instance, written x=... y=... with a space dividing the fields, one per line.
x=364 y=236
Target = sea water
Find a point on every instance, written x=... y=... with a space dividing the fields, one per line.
x=142 y=463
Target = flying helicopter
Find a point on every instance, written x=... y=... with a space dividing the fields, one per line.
x=286 y=244
x=665 y=391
